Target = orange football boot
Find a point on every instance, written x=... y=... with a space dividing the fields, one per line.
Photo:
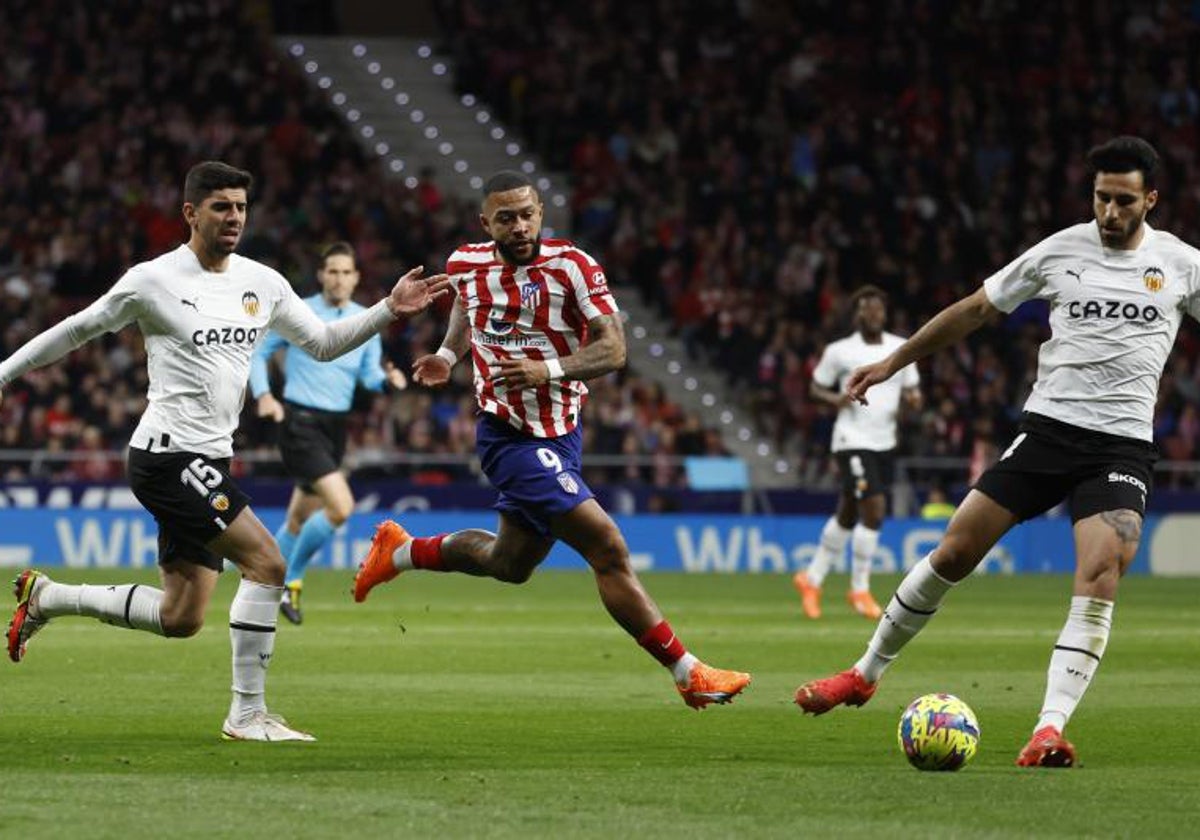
x=864 y=604
x=1047 y=748
x=711 y=685
x=847 y=688
x=378 y=567
x=810 y=596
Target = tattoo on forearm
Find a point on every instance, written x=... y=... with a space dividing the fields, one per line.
x=1126 y=523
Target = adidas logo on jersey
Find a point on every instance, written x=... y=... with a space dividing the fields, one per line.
x=225 y=335
x=1112 y=310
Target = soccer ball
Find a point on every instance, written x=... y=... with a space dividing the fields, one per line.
x=938 y=732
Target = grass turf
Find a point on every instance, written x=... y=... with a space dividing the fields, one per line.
x=453 y=707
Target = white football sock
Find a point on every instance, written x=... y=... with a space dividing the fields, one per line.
x=916 y=600
x=681 y=668
x=833 y=543
x=1075 y=659
x=862 y=551
x=252 y=618
x=129 y=605
x=402 y=556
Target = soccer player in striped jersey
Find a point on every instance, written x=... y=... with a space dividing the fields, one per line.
x=312 y=434
x=1118 y=290
x=202 y=309
x=538 y=320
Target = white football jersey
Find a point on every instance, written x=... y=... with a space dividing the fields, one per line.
x=1113 y=319
x=858 y=426
x=201 y=328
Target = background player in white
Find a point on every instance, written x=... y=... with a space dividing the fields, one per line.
x=864 y=437
x=1117 y=291
x=202 y=309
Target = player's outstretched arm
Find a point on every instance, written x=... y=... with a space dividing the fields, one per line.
x=413 y=293
x=953 y=323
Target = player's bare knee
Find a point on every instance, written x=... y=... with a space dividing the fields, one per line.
x=611 y=556
x=956 y=556
x=338 y=514
x=181 y=625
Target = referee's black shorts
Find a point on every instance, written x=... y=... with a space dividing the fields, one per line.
x=312 y=443
x=1050 y=461
x=192 y=498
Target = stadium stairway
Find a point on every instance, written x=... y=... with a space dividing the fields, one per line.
x=397 y=96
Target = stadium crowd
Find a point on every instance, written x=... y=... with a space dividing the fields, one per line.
x=742 y=165
x=746 y=165
x=102 y=110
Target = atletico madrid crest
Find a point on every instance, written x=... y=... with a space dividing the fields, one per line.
x=568 y=483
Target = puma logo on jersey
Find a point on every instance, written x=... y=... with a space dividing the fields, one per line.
x=1112 y=310
x=225 y=335
x=190 y=303
x=1078 y=275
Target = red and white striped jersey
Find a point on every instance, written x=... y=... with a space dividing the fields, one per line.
x=535 y=311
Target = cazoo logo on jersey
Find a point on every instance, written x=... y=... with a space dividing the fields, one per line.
x=225 y=335
x=1112 y=310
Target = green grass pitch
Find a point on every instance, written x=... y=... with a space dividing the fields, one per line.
x=453 y=707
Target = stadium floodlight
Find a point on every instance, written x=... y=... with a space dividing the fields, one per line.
x=410 y=182
x=439 y=69
x=690 y=383
x=497 y=133
x=513 y=149
x=744 y=434
x=431 y=132
x=673 y=367
x=483 y=117
x=338 y=99
x=417 y=115
x=373 y=68
x=424 y=51
x=401 y=98
x=359 y=50
x=310 y=67
x=639 y=332
x=296 y=50
x=396 y=165
x=387 y=83
x=476 y=182
x=324 y=83
x=559 y=200
x=460 y=166
x=726 y=417
x=656 y=349
x=763 y=450
x=353 y=115
x=781 y=467
x=368 y=131
x=543 y=184
x=381 y=149
x=708 y=400
x=468 y=100
x=528 y=167
x=446 y=148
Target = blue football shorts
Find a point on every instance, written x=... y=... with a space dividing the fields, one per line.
x=536 y=478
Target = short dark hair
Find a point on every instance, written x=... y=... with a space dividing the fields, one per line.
x=337 y=249
x=1125 y=154
x=505 y=180
x=867 y=291
x=207 y=177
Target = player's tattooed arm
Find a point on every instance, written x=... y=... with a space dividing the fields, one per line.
x=1126 y=523
x=603 y=353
